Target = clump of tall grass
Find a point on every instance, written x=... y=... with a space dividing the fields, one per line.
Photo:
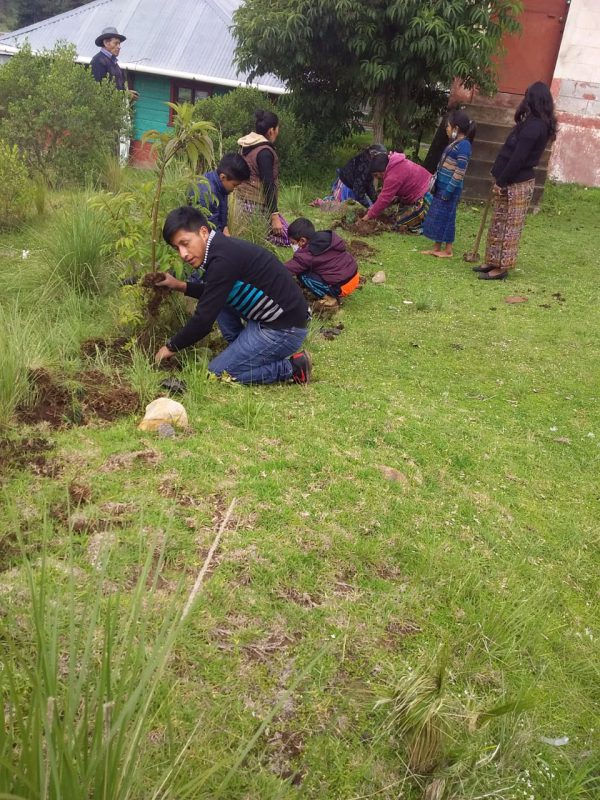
x=76 y=250
x=23 y=348
x=79 y=685
x=111 y=173
x=295 y=199
x=254 y=227
x=142 y=376
x=442 y=735
x=83 y=682
x=418 y=716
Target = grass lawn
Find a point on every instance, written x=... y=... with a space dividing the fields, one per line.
x=419 y=522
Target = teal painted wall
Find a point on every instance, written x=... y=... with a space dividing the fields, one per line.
x=150 y=109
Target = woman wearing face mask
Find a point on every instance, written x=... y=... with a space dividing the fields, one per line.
x=440 y=222
x=513 y=171
x=260 y=192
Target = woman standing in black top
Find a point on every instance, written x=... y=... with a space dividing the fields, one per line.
x=513 y=171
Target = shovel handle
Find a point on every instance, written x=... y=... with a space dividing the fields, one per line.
x=483 y=221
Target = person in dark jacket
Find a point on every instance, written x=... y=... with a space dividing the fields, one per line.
x=321 y=262
x=212 y=193
x=357 y=177
x=513 y=171
x=105 y=63
x=258 y=306
x=354 y=180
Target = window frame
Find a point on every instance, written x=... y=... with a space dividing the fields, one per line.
x=195 y=86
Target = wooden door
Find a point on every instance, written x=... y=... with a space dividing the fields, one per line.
x=531 y=54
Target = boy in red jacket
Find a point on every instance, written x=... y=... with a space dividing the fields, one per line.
x=321 y=262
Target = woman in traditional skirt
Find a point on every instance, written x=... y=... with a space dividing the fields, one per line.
x=259 y=194
x=405 y=186
x=440 y=222
x=513 y=171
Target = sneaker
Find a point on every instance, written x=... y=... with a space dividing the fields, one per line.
x=301 y=367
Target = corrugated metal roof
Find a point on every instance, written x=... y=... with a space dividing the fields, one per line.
x=181 y=37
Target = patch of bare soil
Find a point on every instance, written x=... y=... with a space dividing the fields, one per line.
x=361 y=249
x=126 y=460
x=395 y=631
x=303 y=599
x=115 y=349
x=284 y=748
x=106 y=400
x=264 y=649
x=91 y=394
x=29 y=451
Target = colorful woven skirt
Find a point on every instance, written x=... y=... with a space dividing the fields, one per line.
x=440 y=223
x=409 y=219
x=508 y=217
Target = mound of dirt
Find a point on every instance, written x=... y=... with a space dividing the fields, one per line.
x=361 y=249
x=366 y=227
x=90 y=394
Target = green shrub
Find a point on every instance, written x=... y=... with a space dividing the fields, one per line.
x=232 y=114
x=16 y=194
x=60 y=118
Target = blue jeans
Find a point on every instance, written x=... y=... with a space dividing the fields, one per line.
x=256 y=354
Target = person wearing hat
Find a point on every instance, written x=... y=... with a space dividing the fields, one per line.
x=105 y=64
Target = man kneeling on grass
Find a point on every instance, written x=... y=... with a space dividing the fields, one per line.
x=257 y=304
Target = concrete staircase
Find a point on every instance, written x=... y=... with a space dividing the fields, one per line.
x=493 y=126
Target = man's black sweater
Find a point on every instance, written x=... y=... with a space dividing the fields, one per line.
x=248 y=278
x=521 y=152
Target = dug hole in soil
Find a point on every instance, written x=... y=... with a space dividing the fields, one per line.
x=91 y=394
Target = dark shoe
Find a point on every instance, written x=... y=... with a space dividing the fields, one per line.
x=301 y=367
x=482 y=268
x=173 y=385
x=485 y=276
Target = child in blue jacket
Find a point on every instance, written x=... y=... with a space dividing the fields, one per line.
x=212 y=193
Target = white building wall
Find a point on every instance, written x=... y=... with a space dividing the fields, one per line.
x=576 y=89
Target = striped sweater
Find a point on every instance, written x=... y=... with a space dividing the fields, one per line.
x=452 y=167
x=249 y=279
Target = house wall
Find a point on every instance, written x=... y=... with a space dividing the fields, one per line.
x=576 y=90
x=150 y=111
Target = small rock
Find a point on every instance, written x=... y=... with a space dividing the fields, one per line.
x=166 y=431
x=379 y=277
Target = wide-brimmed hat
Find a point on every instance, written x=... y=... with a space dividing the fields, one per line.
x=109 y=33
